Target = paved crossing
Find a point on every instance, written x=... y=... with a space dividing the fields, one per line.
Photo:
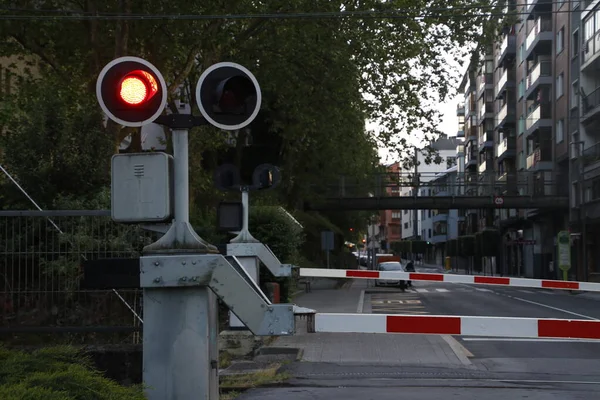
x=419 y=299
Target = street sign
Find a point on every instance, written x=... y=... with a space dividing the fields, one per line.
x=327 y=240
x=564 y=252
x=498 y=200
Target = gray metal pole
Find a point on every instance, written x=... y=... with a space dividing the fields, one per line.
x=416 y=181
x=180 y=324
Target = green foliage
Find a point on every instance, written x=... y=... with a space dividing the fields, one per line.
x=418 y=246
x=491 y=240
x=273 y=227
x=60 y=373
x=451 y=247
x=466 y=246
x=54 y=144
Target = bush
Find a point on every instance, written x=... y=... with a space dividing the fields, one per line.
x=273 y=227
x=491 y=240
x=451 y=246
x=419 y=246
x=57 y=373
x=466 y=246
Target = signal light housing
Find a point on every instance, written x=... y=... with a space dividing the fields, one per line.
x=228 y=96
x=131 y=91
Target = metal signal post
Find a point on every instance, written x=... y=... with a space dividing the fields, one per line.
x=181 y=274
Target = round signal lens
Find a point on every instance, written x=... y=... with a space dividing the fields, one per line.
x=133 y=90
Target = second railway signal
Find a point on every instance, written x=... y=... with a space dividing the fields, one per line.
x=131 y=91
x=228 y=96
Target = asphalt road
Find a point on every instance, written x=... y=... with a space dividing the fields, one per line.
x=502 y=368
x=566 y=356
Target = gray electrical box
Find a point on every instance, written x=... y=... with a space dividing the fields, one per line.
x=141 y=187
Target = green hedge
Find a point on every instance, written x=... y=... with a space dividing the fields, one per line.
x=490 y=242
x=57 y=373
x=451 y=247
x=418 y=246
x=466 y=245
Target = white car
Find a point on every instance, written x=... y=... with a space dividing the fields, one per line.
x=389 y=266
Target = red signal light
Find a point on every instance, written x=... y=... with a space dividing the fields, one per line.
x=137 y=87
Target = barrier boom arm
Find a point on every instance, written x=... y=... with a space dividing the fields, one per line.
x=457 y=325
x=451 y=278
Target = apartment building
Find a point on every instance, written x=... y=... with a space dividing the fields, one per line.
x=585 y=140
x=536 y=82
x=418 y=222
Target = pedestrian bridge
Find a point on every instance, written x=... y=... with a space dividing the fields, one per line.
x=405 y=191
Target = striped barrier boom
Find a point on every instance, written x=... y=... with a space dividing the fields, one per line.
x=457 y=325
x=450 y=278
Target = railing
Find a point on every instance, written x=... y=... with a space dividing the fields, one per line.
x=482 y=167
x=543 y=68
x=509 y=40
x=590 y=101
x=460 y=109
x=542 y=111
x=540 y=154
x=485 y=183
x=502 y=147
x=485 y=108
x=486 y=137
x=591 y=155
x=502 y=113
x=541 y=25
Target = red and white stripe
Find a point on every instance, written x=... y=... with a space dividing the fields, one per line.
x=458 y=325
x=451 y=278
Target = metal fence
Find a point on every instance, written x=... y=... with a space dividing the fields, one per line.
x=41 y=254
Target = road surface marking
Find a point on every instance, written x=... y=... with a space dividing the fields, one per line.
x=528 y=340
x=459 y=350
x=483 y=290
x=553 y=308
x=525 y=291
x=442 y=290
x=422 y=290
x=361 y=302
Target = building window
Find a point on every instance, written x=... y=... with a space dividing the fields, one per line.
x=559 y=4
x=521 y=88
x=396 y=215
x=521 y=52
x=574 y=91
x=575 y=44
x=560 y=40
x=450 y=162
x=559 y=85
x=521 y=160
x=560 y=131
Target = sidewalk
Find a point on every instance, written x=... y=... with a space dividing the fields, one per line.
x=424 y=350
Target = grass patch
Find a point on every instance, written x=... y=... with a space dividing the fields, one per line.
x=57 y=373
x=229 y=395
x=224 y=359
x=254 y=379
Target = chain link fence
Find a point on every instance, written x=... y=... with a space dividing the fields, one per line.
x=41 y=258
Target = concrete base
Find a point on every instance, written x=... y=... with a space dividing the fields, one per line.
x=239 y=343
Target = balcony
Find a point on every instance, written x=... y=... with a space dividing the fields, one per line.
x=590 y=104
x=539 y=40
x=508 y=48
x=506 y=115
x=471 y=135
x=460 y=110
x=540 y=158
x=460 y=133
x=440 y=217
x=486 y=165
x=590 y=60
x=486 y=81
x=486 y=140
x=537 y=6
x=486 y=108
x=541 y=74
x=540 y=117
x=591 y=155
x=506 y=81
x=506 y=148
